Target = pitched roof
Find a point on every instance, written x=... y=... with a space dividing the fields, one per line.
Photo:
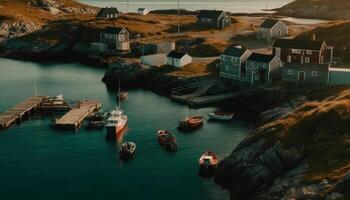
x=213 y=14
x=261 y=57
x=234 y=51
x=141 y=9
x=104 y=11
x=298 y=44
x=269 y=23
x=176 y=54
x=112 y=30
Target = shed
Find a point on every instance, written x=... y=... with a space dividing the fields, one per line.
x=339 y=76
x=178 y=59
x=109 y=13
x=142 y=11
x=154 y=60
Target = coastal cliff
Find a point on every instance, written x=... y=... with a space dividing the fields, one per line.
x=302 y=155
x=317 y=9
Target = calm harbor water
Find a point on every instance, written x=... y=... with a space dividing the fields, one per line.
x=37 y=162
x=234 y=6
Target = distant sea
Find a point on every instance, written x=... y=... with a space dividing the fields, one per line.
x=234 y=6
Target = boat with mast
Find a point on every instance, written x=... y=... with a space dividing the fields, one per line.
x=117 y=120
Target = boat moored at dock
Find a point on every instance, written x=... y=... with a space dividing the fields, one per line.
x=122 y=95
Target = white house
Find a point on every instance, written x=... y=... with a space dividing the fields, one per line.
x=154 y=59
x=272 y=29
x=178 y=59
x=142 y=11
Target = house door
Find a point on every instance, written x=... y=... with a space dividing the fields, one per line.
x=301 y=76
x=261 y=77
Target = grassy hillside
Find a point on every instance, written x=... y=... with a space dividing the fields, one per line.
x=321 y=127
x=323 y=9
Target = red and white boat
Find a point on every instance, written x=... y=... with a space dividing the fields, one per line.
x=208 y=160
x=116 y=122
x=191 y=123
x=217 y=115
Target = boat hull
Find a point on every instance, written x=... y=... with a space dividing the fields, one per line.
x=213 y=116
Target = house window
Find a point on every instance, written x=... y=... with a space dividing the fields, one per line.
x=296 y=51
x=309 y=52
x=314 y=73
x=290 y=72
x=289 y=59
x=121 y=37
x=264 y=66
x=307 y=60
x=227 y=68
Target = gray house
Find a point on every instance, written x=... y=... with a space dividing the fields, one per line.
x=115 y=38
x=213 y=19
x=108 y=13
x=233 y=64
x=262 y=69
x=310 y=74
x=272 y=29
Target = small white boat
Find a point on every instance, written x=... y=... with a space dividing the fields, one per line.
x=221 y=115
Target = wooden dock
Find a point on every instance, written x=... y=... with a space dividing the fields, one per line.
x=20 y=112
x=75 y=117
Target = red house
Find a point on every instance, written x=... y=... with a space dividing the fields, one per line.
x=302 y=51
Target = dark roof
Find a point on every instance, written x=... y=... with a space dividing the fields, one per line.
x=141 y=9
x=213 y=14
x=309 y=66
x=264 y=58
x=112 y=30
x=298 y=44
x=176 y=54
x=234 y=51
x=104 y=11
x=269 y=23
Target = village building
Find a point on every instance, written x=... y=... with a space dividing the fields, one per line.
x=262 y=69
x=116 y=38
x=302 y=51
x=108 y=13
x=233 y=64
x=307 y=74
x=155 y=48
x=272 y=29
x=142 y=11
x=178 y=59
x=154 y=59
x=339 y=75
x=213 y=19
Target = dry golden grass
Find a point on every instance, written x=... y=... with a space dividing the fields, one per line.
x=196 y=70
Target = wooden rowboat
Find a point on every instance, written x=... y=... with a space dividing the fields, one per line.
x=191 y=123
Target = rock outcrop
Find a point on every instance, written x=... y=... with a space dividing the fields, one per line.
x=10 y=29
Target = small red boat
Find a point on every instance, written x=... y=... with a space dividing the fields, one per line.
x=167 y=140
x=122 y=95
x=191 y=123
x=208 y=160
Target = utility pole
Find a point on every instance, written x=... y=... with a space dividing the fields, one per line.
x=178 y=17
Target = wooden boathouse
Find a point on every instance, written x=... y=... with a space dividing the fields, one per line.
x=20 y=112
x=73 y=119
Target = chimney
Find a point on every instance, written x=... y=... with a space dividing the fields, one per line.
x=313 y=37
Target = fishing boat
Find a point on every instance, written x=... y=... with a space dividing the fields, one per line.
x=55 y=103
x=128 y=150
x=117 y=120
x=223 y=116
x=122 y=95
x=191 y=123
x=167 y=140
x=208 y=160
